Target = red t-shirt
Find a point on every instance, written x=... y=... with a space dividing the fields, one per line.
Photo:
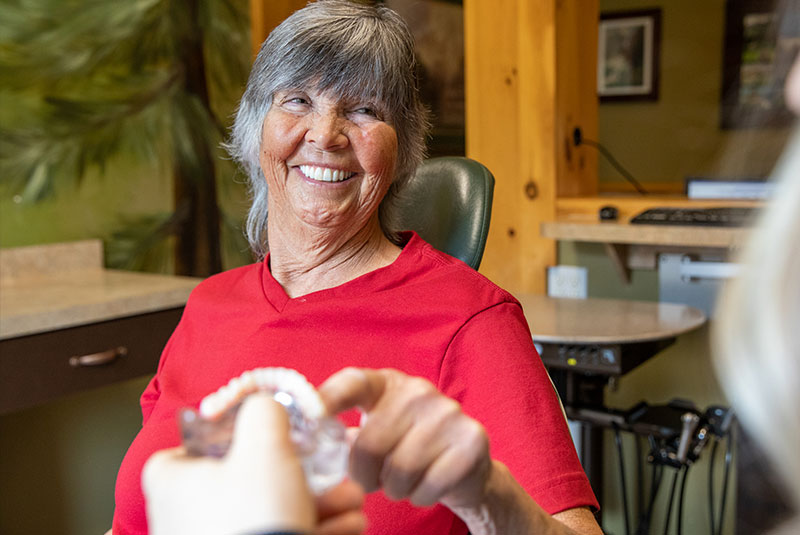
x=426 y=314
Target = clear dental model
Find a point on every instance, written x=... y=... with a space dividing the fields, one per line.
x=319 y=438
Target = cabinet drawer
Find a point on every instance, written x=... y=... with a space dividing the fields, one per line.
x=45 y=366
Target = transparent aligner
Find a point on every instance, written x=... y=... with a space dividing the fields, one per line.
x=320 y=442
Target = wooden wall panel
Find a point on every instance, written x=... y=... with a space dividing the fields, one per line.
x=537 y=122
x=265 y=15
x=492 y=137
x=576 y=95
x=523 y=95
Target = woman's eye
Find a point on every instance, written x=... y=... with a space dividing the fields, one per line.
x=368 y=111
x=297 y=100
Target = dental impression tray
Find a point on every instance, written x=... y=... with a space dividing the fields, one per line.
x=318 y=438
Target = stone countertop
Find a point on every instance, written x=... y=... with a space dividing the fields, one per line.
x=606 y=321
x=50 y=287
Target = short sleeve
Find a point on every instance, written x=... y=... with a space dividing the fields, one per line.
x=492 y=369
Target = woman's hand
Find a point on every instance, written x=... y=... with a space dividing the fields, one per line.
x=258 y=486
x=416 y=443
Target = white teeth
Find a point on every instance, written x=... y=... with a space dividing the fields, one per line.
x=267 y=379
x=325 y=174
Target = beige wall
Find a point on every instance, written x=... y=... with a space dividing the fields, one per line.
x=679 y=135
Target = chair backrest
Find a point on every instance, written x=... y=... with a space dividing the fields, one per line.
x=448 y=203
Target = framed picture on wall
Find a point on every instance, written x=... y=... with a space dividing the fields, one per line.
x=627 y=55
x=760 y=46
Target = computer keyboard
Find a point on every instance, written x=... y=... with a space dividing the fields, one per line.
x=727 y=216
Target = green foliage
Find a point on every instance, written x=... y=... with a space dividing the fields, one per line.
x=141 y=243
x=85 y=80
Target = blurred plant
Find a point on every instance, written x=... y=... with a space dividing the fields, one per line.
x=87 y=80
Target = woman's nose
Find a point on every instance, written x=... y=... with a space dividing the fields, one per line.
x=326 y=132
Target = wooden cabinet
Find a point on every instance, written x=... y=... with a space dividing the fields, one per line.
x=41 y=367
x=67 y=324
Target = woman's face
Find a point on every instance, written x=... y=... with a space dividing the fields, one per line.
x=328 y=163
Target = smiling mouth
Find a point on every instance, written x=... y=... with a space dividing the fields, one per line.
x=325 y=174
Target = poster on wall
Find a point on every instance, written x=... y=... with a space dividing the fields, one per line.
x=760 y=46
x=628 y=55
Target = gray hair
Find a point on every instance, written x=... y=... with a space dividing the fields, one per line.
x=359 y=52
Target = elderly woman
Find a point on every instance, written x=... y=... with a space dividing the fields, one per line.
x=463 y=428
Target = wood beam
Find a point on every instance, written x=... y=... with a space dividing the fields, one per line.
x=265 y=15
x=526 y=90
x=529 y=80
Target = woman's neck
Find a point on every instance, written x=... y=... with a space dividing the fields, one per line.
x=317 y=259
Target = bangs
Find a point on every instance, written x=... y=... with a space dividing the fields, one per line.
x=350 y=60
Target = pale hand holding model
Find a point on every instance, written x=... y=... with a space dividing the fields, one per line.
x=258 y=487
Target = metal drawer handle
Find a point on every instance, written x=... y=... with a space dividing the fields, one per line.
x=98 y=359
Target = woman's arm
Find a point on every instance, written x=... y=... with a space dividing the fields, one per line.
x=492 y=369
x=506 y=508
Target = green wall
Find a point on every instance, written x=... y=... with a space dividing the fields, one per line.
x=90 y=210
x=678 y=135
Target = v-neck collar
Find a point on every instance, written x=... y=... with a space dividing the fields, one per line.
x=372 y=281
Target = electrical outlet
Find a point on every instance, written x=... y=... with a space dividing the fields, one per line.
x=567 y=281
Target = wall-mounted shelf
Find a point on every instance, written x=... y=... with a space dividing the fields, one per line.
x=623 y=233
x=637 y=246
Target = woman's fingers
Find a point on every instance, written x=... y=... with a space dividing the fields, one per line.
x=416 y=443
x=380 y=434
x=448 y=458
x=457 y=477
x=339 y=510
x=376 y=393
x=352 y=387
x=407 y=408
x=408 y=463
